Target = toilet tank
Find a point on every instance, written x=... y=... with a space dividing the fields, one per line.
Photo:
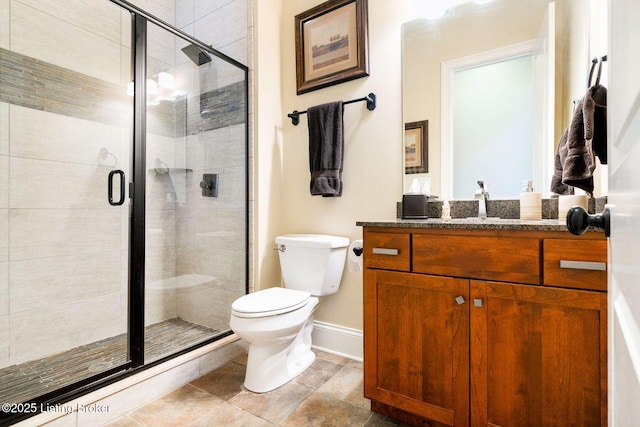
x=312 y=262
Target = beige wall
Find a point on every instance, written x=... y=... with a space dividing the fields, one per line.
x=373 y=151
x=267 y=155
x=373 y=144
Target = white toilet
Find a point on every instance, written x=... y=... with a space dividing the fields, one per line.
x=277 y=322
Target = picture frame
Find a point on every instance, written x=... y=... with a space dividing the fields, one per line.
x=332 y=44
x=416 y=147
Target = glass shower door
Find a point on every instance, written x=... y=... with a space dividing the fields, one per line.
x=196 y=193
x=65 y=127
x=123 y=208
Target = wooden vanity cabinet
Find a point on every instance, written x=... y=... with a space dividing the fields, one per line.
x=538 y=356
x=416 y=344
x=461 y=328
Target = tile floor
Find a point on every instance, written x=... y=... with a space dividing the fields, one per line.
x=329 y=393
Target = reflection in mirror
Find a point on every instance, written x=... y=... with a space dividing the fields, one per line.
x=434 y=51
x=489 y=121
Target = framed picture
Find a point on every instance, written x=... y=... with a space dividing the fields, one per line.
x=416 y=147
x=331 y=44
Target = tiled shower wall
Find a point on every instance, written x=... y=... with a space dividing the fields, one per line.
x=62 y=278
x=208 y=238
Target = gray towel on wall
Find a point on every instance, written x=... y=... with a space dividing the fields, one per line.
x=581 y=142
x=556 y=180
x=326 y=149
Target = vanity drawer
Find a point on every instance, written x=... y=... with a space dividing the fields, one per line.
x=390 y=251
x=478 y=257
x=580 y=264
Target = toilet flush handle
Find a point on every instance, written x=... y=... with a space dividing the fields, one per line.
x=281 y=248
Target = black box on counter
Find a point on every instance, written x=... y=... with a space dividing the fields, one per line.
x=414 y=206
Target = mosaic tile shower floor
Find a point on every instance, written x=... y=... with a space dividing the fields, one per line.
x=19 y=383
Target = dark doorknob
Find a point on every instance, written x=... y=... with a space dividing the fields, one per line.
x=578 y=220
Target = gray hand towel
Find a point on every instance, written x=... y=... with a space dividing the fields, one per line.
x=326 y=149
x=556 y=180
x=584 y=138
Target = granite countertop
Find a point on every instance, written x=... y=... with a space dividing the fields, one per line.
x=503 y=215
x=473 y=224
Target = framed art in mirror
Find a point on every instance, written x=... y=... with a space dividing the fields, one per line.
x=331 y=44
x=416 y=138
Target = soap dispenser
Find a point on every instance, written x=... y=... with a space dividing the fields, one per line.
x=530 y=202
x=446 y=211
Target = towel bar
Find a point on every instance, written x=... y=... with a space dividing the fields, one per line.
x=370 y=99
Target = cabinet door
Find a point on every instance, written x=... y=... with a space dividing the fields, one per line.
x=538 y=356
x=417 y=344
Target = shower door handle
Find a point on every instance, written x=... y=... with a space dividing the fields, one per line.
x=110 y=187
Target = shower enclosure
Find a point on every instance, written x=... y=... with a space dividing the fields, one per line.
x=123 y=195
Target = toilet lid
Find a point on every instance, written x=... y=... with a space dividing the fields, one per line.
x=270 y=302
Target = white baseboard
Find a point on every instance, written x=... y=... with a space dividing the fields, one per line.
x=336 y=339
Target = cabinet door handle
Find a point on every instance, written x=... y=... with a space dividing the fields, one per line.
x=477 y=302
x=385 y=251
x=583 y=265
x=460 y=300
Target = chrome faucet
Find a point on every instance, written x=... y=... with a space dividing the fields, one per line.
x=482 y=195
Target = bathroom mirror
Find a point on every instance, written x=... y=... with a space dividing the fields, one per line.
x=547 y=41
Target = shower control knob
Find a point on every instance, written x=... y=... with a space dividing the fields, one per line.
x=209 y=185
x=578 y=220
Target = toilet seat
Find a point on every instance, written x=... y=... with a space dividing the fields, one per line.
x=269 y=302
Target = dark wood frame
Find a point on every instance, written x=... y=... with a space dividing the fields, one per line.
x=417 y=130
x=358 y=65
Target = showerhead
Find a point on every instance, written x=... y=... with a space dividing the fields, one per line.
x=197 y=55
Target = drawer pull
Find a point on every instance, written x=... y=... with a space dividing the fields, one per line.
x=583 y=265
x=385 y=251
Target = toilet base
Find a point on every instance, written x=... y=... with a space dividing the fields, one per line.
x=272 y=366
